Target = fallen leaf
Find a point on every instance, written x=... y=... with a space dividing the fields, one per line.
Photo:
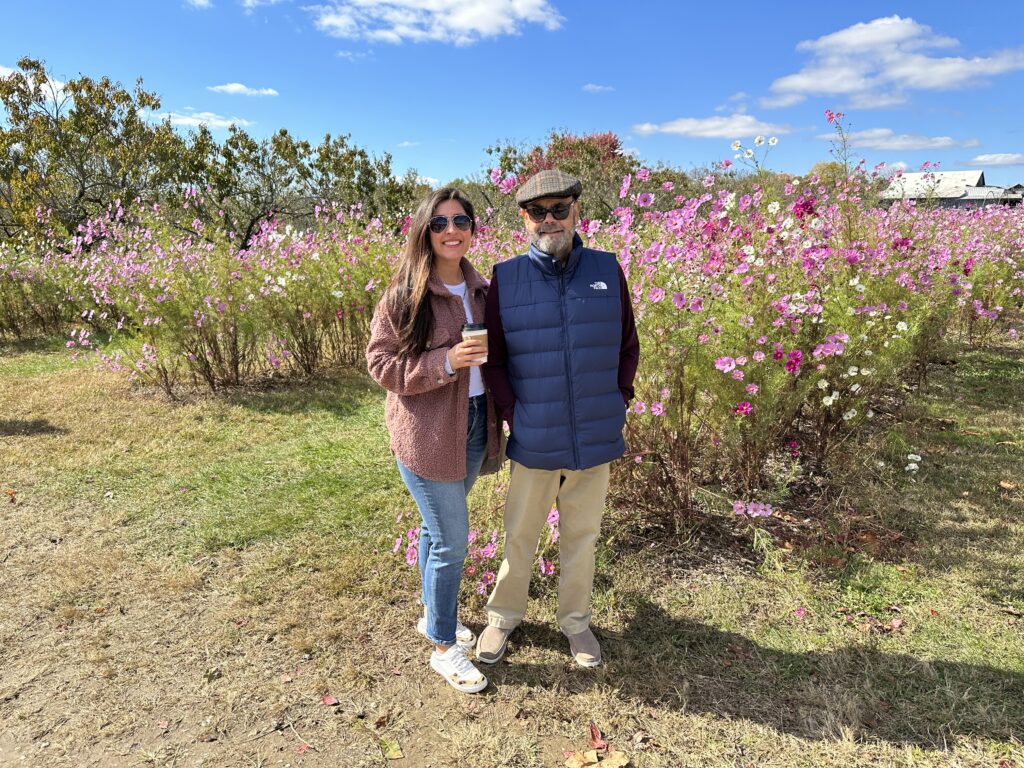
x=329 y=700
x=615 y=759
x=895 y=624
x=303 y=748
x=12 y=495
x=1008 y=485
x=640 y=738
x=390 y=749
x=933 y=612
x=581 y=759
x=596 y=742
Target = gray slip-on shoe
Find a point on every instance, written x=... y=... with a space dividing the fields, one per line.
x=491 y=644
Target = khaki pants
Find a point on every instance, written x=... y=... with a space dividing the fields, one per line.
x=580 y=495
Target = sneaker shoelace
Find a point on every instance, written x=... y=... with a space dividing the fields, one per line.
x=461 y=664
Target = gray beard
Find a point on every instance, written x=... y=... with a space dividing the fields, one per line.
x=554 y=244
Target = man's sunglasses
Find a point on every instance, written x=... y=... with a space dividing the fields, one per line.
x=538 y=212
x=439 y=224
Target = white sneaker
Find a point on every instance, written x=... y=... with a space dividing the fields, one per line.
x=463 y=635
x=458 y=670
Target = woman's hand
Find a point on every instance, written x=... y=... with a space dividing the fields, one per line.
x=467 y=354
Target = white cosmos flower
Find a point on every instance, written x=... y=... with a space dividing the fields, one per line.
x=773 y=207
x=911 y=467
x=736 y=145
x=822 y=384
x=852 y=370
x=758 y=141
x=748 y=153
x=913 y=457
x=901 y=326
x=849 y=414
x=773 y=141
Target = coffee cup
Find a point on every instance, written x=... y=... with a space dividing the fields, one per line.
x=476 y=331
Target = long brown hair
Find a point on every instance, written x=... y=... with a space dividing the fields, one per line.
x=407 y=292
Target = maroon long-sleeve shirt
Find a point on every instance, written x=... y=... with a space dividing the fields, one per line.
x=496 y=373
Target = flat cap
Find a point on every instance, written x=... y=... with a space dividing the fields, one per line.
x=551 y=183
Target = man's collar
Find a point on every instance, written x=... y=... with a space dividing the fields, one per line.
x=549 y=264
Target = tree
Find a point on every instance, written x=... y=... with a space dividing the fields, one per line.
x=74 y=148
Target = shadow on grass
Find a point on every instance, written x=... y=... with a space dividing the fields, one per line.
x=29 y=428
x=853 y=692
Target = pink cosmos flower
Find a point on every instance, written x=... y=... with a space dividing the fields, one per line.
x=644 y=199
x=657 y=409
x=656 y=294
x=639 y=407
x=553 y=516
x=668 y=186
x=546 y=567
x=643 y=174
x=752 y=389
x=725 y=364
x=743 y=409
x=624 y=189
x=679 y=300
x=411 y=555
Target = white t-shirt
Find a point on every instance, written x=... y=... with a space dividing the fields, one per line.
x=476 y=381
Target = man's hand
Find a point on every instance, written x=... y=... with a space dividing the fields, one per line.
x=467 y=354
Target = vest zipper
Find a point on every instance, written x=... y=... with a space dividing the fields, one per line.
x=568 y=371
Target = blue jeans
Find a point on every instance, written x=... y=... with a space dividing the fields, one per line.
x=444 y=532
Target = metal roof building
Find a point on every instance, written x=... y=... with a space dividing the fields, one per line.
x=952 y=189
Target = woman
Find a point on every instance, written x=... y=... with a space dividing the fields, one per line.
x=440 y=421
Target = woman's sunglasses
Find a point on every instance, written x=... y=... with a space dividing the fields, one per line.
x=439 y=224
x=538 y=212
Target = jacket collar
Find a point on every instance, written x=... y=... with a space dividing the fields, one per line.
x=474 y=282
x=550 y=265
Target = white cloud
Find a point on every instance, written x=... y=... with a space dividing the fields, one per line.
x=200 y=3
x=209 y=119
x=594 y=88
x=874 y=64
x=352 y=55
x=461 y=22
x=886 y=138
x=237 y=89
x=6 y=71
x=998 y=159
x=251 y=5
x=408 y=144
x=737 y=126
x=891 y=168
x=430 y=181
x=735 y=103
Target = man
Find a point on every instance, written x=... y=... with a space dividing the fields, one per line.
x=562 y=354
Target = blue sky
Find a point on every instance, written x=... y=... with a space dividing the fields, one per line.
x=434 y=82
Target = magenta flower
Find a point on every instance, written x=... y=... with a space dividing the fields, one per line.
x=739 y=508
x=668 y=186
x=657 y=409
x=656 y=294
x=553 y=516
x=725 y=364
x=495 y=176
x=643 y=174
x=411 y=555
x=545 y=566
x=679 y=300
x=644 y=199
x=743 y=409
x=639 y=407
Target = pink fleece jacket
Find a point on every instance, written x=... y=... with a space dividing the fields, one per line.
x=427 y=411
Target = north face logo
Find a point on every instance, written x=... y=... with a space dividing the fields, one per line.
x=599 y=286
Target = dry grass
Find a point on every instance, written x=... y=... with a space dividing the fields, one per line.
x=182 y=583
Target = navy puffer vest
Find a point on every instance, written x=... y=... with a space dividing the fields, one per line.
x=563 y=329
